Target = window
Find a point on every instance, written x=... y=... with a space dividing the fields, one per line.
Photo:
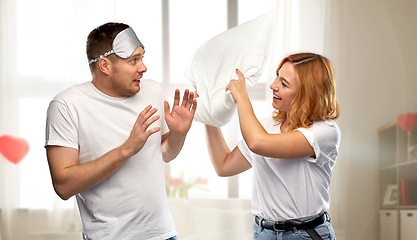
x=49 y=57
x=191 y=24
x=36 y=189
x=208 y=20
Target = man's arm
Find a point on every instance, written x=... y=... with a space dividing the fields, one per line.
x=179 y=121
x=70 y=178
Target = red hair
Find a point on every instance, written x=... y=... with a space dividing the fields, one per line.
x=316 y=96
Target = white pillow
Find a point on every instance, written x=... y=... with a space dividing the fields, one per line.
x=214 y=64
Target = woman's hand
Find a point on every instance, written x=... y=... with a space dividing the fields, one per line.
x=238 y=87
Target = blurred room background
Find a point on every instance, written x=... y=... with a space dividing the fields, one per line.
x=371 y=44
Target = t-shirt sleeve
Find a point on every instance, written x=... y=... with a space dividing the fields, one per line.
x=246 y=152
x=60 y=126
x=324 y=138
x=243 y=147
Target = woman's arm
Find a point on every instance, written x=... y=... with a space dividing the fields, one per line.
x=225 y=162
x=288 y=145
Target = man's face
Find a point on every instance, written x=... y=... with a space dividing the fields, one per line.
x=126 y=74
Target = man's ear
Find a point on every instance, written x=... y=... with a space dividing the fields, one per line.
x=104 y=64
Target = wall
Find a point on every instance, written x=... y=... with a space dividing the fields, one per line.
x=372 y=45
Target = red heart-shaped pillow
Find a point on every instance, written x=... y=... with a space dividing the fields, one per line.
x=14 y=149
x=407 y=121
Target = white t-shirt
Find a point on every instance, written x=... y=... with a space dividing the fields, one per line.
x=294 y=188
x=131 y=203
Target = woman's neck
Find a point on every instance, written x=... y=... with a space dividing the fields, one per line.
x=284 y=125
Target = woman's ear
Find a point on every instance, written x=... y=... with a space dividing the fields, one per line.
x=104 y=64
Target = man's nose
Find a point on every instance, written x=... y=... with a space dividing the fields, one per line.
x=142 y=68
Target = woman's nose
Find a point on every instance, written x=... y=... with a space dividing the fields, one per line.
x=274 y=86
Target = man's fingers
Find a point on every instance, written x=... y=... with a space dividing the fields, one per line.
x=146 y=110
x=190 y=101
x=144 y=132
x=185 y=98
x=177 y=97
x=150 y=121
x=166 y=107
x=153 y=130
x=194 y=106
x=145 y=114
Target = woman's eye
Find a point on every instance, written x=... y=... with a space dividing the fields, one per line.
x=283 y=84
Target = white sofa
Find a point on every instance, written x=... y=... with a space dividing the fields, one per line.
x=195 y=219
x=212 y=218
x=219 y=219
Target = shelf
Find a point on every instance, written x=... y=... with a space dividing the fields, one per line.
x=407 y=145
x=391 y=207
x=394 y=166
x=387 y=178
x=388 y=145
x=407 y=170
x=407 y=207
x=406 y=163
x=397 y=175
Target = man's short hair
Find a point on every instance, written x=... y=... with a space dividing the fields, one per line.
x=100 y=40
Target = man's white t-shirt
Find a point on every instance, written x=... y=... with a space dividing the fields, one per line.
x=131 y=203
x=294 y=188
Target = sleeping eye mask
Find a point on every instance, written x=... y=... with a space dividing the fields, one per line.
x=124 y=45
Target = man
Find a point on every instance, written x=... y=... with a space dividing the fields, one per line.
x=106 y=141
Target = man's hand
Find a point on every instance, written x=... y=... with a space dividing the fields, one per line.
x=69 y=177
x=179 y=120
x=140 y=132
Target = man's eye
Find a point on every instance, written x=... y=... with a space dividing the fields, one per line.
x=136 y=60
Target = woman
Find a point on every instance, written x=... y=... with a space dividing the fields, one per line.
x=292 y=152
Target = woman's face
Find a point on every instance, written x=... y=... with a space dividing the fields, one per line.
x=284 y=87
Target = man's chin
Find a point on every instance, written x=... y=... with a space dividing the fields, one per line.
x=134 y=91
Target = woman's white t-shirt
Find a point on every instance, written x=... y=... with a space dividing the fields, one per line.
x=294 y=188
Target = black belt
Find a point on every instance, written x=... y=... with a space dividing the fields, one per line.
x=294 y=223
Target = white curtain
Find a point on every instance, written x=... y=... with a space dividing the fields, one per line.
x=317 y=26
x=42 y=53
